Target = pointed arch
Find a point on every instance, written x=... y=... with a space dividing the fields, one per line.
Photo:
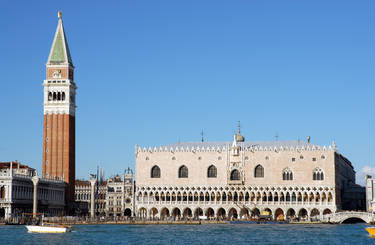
x=183 y=172
x=212 y=172
x=259 y=171
x=235 y=175
x=155 y=172
x=287 y=174
x=318 y=174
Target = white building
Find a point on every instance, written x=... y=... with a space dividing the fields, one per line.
x=17 y=188
x=241 y=179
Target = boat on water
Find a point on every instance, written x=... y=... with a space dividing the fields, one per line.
x=371 y=231
x=47 y=228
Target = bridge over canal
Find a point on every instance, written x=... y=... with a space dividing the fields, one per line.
x=347 y=216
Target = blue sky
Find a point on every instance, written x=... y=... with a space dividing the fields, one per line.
x=155 y=72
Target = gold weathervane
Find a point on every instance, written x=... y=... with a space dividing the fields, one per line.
x=59 y=14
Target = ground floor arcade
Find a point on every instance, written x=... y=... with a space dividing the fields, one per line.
x=230 y=212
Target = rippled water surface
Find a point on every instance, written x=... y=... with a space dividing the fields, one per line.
x=354 y=234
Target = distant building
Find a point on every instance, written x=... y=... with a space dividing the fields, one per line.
x=113 y=197
x=370 y=194
x=17 y=188
x=83 y=197
x=241 y=179
x=354 y=197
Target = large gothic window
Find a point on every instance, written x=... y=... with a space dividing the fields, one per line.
x=183 y=172
x=235 y=175
x=318 y=174
x=155 y=172
x=212 y=172
x=259 y=171
x=287 y=174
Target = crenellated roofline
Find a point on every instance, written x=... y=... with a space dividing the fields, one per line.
x=245 y=146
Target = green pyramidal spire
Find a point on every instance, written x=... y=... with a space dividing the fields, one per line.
x=59 y=53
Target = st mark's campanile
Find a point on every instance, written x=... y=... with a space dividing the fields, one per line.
x=59 y=114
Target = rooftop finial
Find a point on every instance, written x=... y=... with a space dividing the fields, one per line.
x=59 y=14
x=239 y=137
x=202 y=134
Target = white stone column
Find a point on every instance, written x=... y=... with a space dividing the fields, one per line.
x=8 y=212
x=35 y=180
x=92 y=204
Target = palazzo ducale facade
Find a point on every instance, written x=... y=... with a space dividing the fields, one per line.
x=238 y=179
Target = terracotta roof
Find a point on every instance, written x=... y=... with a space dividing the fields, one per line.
x=82 y=182
x=6 y=165
x=87 y=183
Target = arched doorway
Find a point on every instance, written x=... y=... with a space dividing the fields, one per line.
x=269 y=211
x=290 y=214
x=279 y=214
x=198 y=212
x=210 y=213
x=221 y=213
x=164 y=213
x=327 y=211
x=232 y=214
x=302 y=214
x=187 y=213
x=255 y=213
x=127 y=212
x=176 y=213
x=142 y=213
x=314 y=213
x=153 y=212
x=244 y=213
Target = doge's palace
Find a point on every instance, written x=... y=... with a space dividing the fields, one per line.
x=239 y=179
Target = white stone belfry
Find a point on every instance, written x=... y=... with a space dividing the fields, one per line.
x=59 y=87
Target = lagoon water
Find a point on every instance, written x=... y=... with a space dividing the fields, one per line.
x=354 y=234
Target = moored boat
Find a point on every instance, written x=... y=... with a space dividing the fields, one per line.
x=47 y=228
x=371 y=231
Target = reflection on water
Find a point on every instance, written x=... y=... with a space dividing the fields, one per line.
x=354 y=234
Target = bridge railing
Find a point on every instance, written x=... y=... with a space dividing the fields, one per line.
x=339 y=216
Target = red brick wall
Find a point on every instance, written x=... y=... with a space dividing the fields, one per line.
x=59 y=140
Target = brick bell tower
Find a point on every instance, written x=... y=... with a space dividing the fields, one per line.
x=59 y=114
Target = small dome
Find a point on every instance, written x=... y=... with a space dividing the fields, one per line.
x=240 y=138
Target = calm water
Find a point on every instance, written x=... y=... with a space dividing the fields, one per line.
x=194 y=234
